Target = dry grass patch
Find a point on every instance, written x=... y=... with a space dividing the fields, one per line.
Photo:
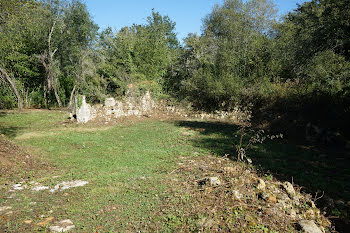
x=17 y=164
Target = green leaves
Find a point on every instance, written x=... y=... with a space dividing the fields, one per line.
x=230 y=57
x=138 y=54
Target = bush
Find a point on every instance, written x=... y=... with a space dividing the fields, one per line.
x=328 y=72
x=7 y=99
x=36 y=98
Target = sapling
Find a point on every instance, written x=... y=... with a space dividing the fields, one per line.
x=257 y=137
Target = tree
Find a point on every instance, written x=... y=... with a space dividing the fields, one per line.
x=14 y=17
x=140 y=53
x=76 y=42
x=154 y=45
x=47 y=59
x=83 y=69
x=230 y=58
x=312 y=38
x=6 y=77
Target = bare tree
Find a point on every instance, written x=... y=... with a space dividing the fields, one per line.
x=50 y=83
x=83 y=67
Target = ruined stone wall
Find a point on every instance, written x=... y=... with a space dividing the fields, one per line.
x=133 y=105
x=112 y=108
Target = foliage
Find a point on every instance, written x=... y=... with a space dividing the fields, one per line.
x=140 y=53
x=43 y=29
x=243 y=56
x=7 y=101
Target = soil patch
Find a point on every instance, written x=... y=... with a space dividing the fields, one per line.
x=16 y=163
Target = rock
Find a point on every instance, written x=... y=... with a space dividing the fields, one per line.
x=236 y=195
x=68 y=185
x=18 y=187
x=296 y=200
x=263 y=196
x=110 y=102
x=271 y=199
x=147 y=103
x=28 y=221
x=83 y=112
x=288 y=187
x=62 y=226
x=45 y=222
x=214 y=181
x=229 y=170
x=283 y=197
x=40 y=188
x=308 y=226
x=284 y=204
x=206 y=223
x=4 y=208
x=261 y=184
x=9 y=213
x=348 y=203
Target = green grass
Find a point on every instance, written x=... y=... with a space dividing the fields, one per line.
x=126 y=167
x=13 y=124
x=129 y=165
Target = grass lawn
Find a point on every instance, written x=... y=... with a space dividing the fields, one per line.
x=126 y=166
x=130 y=167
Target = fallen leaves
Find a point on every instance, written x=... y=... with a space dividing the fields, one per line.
x=46 y=221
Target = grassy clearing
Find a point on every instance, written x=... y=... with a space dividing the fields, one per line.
x=125 y=166
x=135 y=180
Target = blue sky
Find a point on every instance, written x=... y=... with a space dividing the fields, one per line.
x=187 y=14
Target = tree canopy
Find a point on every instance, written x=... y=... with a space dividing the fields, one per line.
x=51 y=50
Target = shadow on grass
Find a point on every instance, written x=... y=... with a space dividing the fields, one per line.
x=10 y=132
x=2 y=114
x=314 y=168
x=219 y=137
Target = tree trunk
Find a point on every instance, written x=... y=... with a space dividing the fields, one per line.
x=57 y=96
x=5 y=76
x=50 y=83
x=46 y=60
x=45 y=95
x=71 y=98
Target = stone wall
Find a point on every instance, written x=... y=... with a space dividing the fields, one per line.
x=112 y=108
x=133 y=105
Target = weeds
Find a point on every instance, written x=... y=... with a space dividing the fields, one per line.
x=249 y=137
